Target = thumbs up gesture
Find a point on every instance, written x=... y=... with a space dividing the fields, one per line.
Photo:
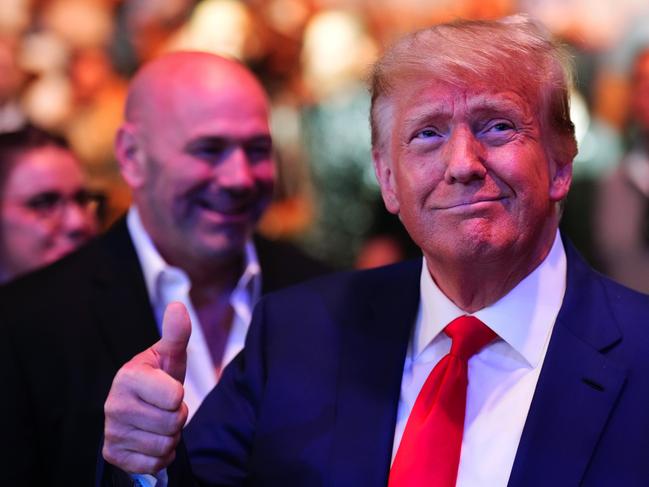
x=144 y=411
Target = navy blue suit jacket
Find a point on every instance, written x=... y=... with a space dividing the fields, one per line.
x=313 y=399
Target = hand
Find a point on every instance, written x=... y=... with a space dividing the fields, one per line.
x=145 y=412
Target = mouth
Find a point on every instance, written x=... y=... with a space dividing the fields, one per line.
x=232 y=212
x=471 y=203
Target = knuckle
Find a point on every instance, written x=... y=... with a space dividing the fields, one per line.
x=109 y=407
x=127 y=374
x=176 y=422
x=165 y=445
x=114 y=410
x=175 y=395
x=121 y=375
x=109 y=455
x=156 y=464
x=170 y=458
x=110 y=437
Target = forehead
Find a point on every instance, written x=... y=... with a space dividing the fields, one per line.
x=442 y=100
x=233 y=106
x=44 y=168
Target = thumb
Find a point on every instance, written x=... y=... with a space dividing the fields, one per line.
x=172 y=347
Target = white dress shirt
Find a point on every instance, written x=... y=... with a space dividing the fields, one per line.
x=502 y=377
x=165 y=284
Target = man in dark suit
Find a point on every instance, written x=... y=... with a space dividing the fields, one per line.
x=501 y=359
x=196 y=150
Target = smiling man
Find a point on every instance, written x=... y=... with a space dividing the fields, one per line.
x=196 y=150
x=499 y=359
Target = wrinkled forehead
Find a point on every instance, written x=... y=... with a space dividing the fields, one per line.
x=420 y=94
x=444 y=96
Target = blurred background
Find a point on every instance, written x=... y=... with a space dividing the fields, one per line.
x=65 y=65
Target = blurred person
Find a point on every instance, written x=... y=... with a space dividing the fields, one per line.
x=13 y=77
x=387 y=243
x=46 y=210
x=196 y=150
x=500 y=358
x=621 y=215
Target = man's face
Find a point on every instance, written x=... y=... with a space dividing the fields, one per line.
x=45 y=212
x=469 y=174
x=209 y=170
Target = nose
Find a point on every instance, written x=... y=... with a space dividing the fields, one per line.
x=465 y=157
x=77 y=222
x=235 y=173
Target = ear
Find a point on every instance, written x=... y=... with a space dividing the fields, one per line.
x=561 y=180
x=385 y=177
x=562 y=150
x=130 y=156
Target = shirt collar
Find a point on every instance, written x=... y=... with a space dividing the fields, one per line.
x=523 y=318
x=247 y=290
x=151 y=262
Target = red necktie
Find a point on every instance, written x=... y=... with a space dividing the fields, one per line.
x=429 y=452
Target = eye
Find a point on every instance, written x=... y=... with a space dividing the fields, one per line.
x=258 y=150
x=426 y=133
x=44 y=203
x=501 y=126
x=88 y=199
x=498 y=131
x=209 y=151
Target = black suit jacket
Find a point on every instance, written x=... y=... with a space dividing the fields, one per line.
x=65 y=331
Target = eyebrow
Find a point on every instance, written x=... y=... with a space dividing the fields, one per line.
x=424 y=113
x=225 y=140
x=480 y=104
x=497 y=103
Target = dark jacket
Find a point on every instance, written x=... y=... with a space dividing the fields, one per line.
x=65 y=331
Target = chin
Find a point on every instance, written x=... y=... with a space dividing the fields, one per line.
x=222 y=246
x=471 y=247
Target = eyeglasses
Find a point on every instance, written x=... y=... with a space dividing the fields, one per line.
x=50 y=204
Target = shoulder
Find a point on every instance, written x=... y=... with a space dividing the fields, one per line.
x=631 y=308
x=589 y=288
x=71 y=273
x=348 y=289
x=610 y=316
x=283 y=264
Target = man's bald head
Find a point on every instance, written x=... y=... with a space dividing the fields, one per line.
x=196 y=150
x=169 y=78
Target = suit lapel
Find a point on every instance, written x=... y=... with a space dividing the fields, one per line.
x=577 y=388
x=373 y=348
x=120 y=298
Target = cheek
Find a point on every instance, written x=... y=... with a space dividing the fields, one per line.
x=525 y=170
x=416 y=182
x=24 y=235
x=264 y=174
x=169 y=196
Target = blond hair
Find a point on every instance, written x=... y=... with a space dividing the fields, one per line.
x=512 y=53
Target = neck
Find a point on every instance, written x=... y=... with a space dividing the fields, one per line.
x=214 y=279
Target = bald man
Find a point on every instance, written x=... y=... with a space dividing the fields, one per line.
x=196 y=150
